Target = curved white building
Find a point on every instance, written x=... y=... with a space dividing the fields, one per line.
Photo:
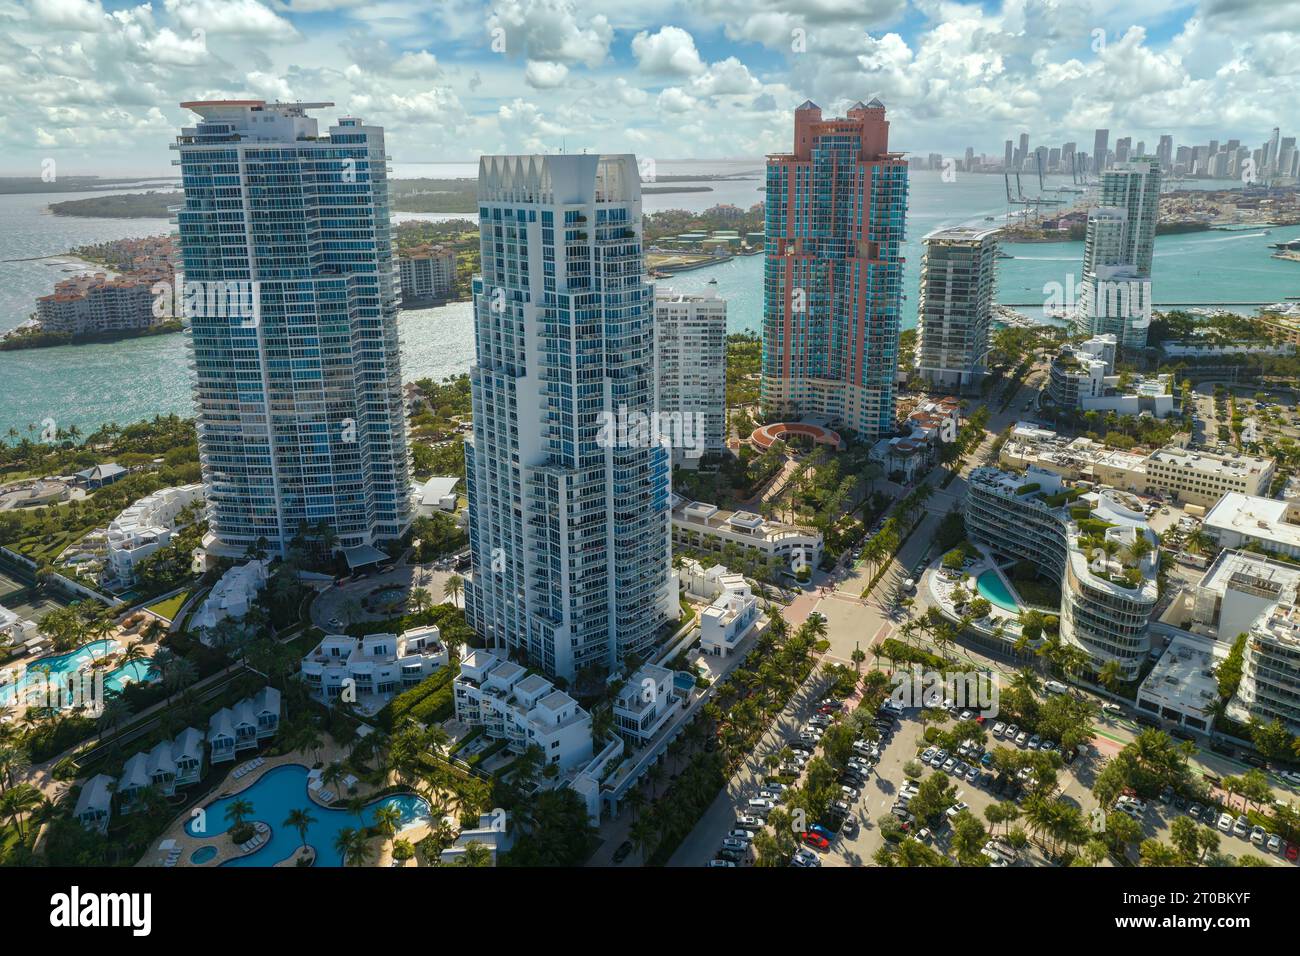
x=1034 y=517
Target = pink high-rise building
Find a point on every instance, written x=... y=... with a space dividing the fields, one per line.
x=835 y=218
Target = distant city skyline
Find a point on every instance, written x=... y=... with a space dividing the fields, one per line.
x=92 y=84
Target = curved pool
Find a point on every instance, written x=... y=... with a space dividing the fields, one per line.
x=67 y=663
x=992 y=587
x=284 y=789
x=138 y=671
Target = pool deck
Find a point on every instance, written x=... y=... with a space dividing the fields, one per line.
x=181 y=839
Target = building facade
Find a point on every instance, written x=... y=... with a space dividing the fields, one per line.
x=97 y=305
x=1103 y=612
x=957 y=282
x=427 y=273
x=369 y=671
x=691 y=363
x=522 y=709
x=832 y=291
x=285 y=235
x=1115 y=294
x=568 y=517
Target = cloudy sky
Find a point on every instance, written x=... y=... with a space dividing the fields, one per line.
x=95 y=84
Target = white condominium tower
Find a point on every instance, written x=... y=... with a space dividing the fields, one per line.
x=1115 y=294
x=286 y=234
x=691 y=354
x=957 y=271
x=568 y=517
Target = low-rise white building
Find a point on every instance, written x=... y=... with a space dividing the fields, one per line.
x=1182 y=687
x=438 y=494
x=705 y=527
x=1239 y=520
x=645 y=703
x=524 y=709
x=378 y=666
x=244 y=726
x=734 y=610
x=231 y=597
x=1082 y=377
x=146 y=527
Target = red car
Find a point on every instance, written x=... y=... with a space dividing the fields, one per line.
x=1292 y=852
x=815 y=840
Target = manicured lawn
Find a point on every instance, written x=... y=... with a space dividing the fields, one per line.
x=169 y=608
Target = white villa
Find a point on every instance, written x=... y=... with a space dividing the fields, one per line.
x=232 y=596
x=244 y=726
x=733 y=613
x=378 y=665
x=645 y=703
x=525 y=709
x=146 y=527
x=170 y=764
x=95 y=804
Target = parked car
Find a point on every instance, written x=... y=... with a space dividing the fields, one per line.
x=815 y=839
x=748 y=822
x=1022 y=738
x=998 y=728
x=1258 y=835
x=849 y=827
x=955 y=809
x=1034 y=741
x=1241 y=826
x=745 y=836
x=852 y=793
x=721 y=863
x=949 y=764
x=623 y=851
x=1225 y=822
x=821 y=830
x=736 y=846
x=1274 y=843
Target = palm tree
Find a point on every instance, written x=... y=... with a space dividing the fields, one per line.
x=453 y=588
x=351 y=846
x=238 y=809
x=387 y=819
x=421 y=600
x=300 y=820
x=18 y=802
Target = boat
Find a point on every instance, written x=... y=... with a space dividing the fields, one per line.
x=988 y=218
x=713 y=281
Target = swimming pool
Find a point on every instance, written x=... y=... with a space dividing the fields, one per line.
x=991 y=585
x=203 y=854
x=141 y=671
x=67 y=663
x=284 y=789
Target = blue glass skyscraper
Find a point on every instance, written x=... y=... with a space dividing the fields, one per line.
x=291 y=295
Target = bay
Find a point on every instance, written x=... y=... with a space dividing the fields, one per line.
x=89 y=385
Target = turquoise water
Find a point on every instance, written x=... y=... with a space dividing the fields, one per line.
x=136 y=672
x=73 y=661
x=58 y=664
x=85 y=386
x=203 y=854
x=284 y=789
x=990 y=585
